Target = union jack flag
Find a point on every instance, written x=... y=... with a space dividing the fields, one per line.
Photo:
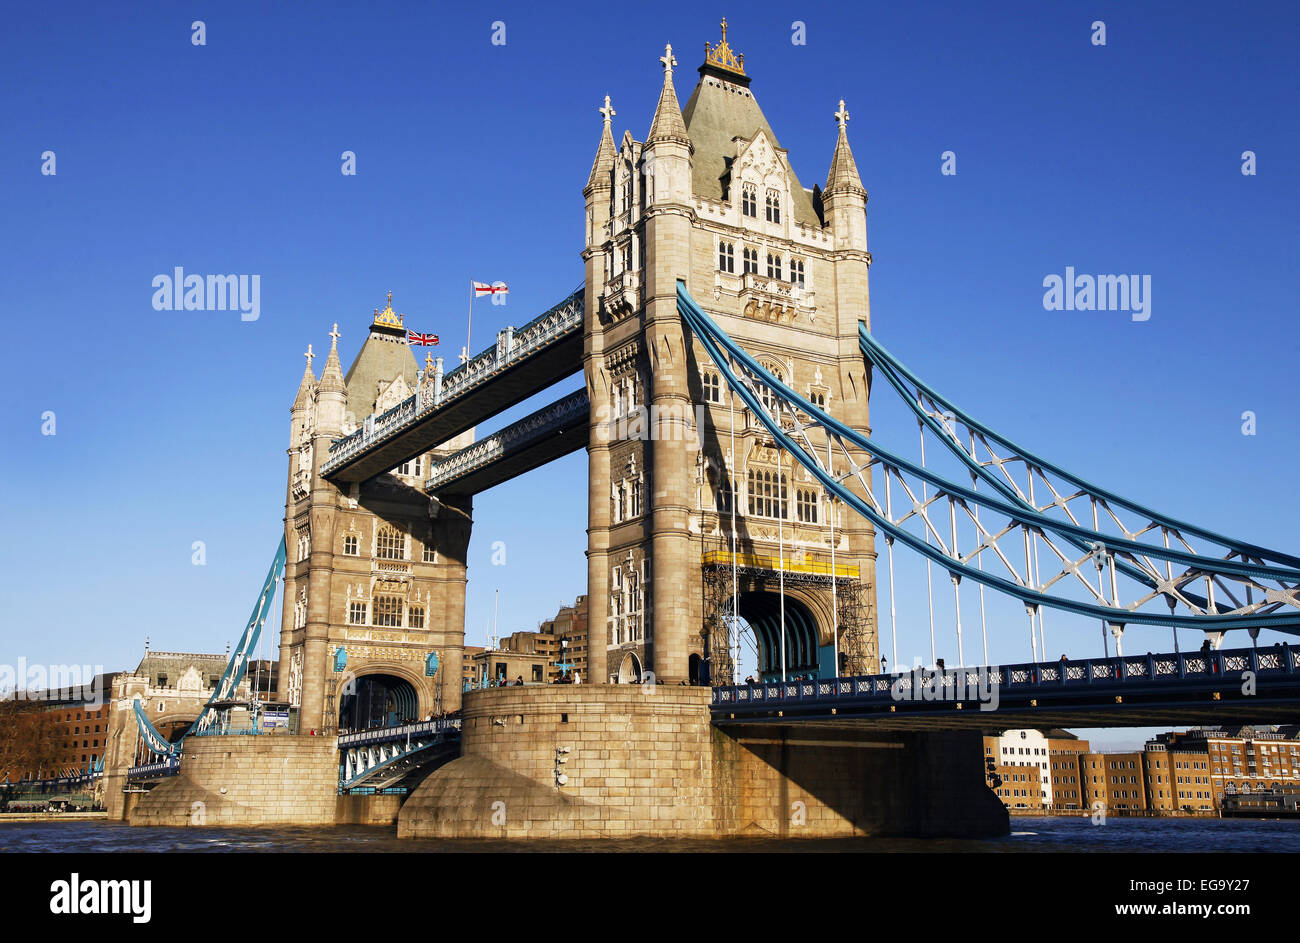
x=416 y=339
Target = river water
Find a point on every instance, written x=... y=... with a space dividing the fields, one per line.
x=1028 y=834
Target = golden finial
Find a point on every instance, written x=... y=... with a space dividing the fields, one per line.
x=387 y=317
x=722 y=56
x=428 y=362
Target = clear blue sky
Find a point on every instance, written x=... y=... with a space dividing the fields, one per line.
x=171 y=426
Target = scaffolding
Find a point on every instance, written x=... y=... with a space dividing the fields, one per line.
x=857 y=643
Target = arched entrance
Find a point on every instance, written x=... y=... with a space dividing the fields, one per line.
x=629 y=669
x=693 y=666
x=762 y=612
x=377 y=700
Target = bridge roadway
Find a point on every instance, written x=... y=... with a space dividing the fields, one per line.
x=522 y=362
x=1191 y=688
x=381 y=758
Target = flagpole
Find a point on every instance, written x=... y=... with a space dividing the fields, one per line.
x=469 y=323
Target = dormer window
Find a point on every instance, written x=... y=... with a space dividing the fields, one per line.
x=773 y=206
x=749 y=200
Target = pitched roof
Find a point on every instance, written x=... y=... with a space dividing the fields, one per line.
x=383 y=357
x=720 y=110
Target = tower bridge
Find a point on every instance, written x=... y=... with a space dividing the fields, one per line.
x=715 y=285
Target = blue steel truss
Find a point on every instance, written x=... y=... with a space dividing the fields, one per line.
x=1267 y=580
x=155 y=742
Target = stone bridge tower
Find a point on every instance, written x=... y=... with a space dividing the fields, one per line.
x=711 y=198
x=375 y=572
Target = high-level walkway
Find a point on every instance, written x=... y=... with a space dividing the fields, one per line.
x=522 y=362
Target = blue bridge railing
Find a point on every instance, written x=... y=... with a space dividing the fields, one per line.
x=1126 y=674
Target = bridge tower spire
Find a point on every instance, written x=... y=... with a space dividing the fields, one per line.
x=711 y=199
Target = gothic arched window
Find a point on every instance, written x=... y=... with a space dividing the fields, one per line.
x=749 y=200
x=773 y=206
x=767 y=493
x=390 y=543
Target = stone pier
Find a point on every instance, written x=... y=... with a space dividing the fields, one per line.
x=645 y=761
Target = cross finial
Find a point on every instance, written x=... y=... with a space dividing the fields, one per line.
x=428 y=361
x=842 y=116
x=724 y=29
x=607 y=111
x=310 y=356
x=668 y=60
x=336 y=335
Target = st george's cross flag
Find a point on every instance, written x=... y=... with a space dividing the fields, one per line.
x=416 y=339
x=482 y=288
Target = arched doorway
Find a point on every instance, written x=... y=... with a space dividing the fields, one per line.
x=761 y=611
x=693 y=666
x=377 y=700
x=629 y=669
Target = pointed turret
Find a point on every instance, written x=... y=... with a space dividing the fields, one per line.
x=843 y=174
x=331 y=394
x=307 y=388
x=668 y=124
x=331 y=378
x=605 y=153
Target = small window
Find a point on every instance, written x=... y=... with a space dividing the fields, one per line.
x=726 y=257
x=412 y=468
x=350 y=545
x=796 y=272
x=429 y=554
x=712 y=387
x=415 y=617
x=773 y=206
x=749 y=200
x=773 y=266
x=751 y=261
x=356 y=613
x=806 y=506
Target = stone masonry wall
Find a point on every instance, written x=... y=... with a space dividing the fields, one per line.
x=640 y=764
x=271 y=780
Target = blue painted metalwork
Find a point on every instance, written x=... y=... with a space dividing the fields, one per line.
x=340 y=658
x=430 y=664
x=899 y=376
x=373 y=759
x=1108 y=680
x=235 y=669
x=724 y=352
